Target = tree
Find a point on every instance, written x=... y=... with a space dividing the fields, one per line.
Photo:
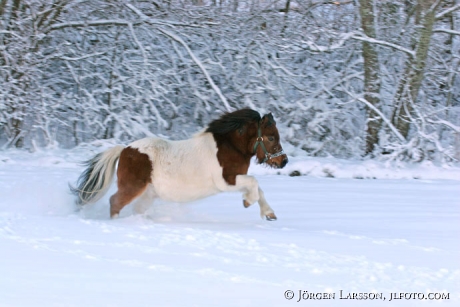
x=371 y=75
x=411 y=79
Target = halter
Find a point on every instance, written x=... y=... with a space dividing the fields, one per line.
x=260 y=141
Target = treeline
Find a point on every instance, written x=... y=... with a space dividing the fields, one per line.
x=343 y=78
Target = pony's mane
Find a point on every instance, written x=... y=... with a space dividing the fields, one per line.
x=232 y=121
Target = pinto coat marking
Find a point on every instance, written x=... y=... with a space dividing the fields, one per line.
x=213 y=161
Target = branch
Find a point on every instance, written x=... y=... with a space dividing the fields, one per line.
x=445 y=123
x=150 y=20
x=386 y=120
x=81 y=57
x=78 y=24
x=383 y=43
x=449 y=10
x=447 y=31
x=343 y=37
x=138 y=43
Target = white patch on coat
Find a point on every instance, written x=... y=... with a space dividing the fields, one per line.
x=183 y=170
x=188 y=170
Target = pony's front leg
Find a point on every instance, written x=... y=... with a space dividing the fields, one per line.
x=265 y=209
x=253 y=194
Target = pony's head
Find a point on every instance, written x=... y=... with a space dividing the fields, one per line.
x=242 y=134
x=266 y=145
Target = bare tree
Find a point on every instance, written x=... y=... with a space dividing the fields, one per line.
x=371 y=74
x=411 y=79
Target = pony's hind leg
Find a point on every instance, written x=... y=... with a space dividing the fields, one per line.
x=134 y=174
x=123 y=197
x=143 y=202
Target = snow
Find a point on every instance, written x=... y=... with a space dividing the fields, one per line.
x=334 y=232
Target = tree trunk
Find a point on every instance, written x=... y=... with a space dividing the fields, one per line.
x=371 y=75
x=2 y=7
x=411 y=80
x=286 y=12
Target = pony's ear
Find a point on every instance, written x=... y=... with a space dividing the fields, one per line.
x=268 y=120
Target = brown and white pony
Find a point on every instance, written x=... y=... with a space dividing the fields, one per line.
x=213 y=161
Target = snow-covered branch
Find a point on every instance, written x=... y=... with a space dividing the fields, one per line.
x=344 y=37
x=447 y=11
x=376 y=110
x=83 y=57
x=383 y=43
x=448 y=31
x=95 y=23
x=445 y=123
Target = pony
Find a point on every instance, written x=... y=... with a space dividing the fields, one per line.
x=212 y=161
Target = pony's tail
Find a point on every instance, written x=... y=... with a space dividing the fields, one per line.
x=94 y=182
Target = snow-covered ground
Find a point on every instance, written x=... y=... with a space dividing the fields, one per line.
x=337 y=232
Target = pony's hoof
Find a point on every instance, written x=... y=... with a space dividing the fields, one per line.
x=271 y=217
x=115 y=216
x=246 y=204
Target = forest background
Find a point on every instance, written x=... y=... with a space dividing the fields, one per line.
x=344 y=78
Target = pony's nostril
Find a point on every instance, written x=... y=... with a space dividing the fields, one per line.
x=284 y=162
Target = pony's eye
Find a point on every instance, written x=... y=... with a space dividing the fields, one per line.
x=271 y=139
